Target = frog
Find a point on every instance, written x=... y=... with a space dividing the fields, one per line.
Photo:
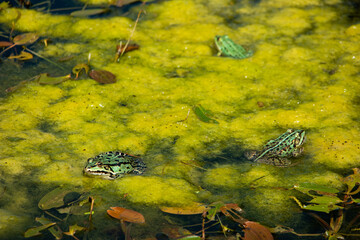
x=114 y=164
x=229 y=48
x=278 y=151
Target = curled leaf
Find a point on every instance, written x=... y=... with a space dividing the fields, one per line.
x=126 y=215
x=22 y=56
x=102 y=76
x=79 y=68
x=73 y=229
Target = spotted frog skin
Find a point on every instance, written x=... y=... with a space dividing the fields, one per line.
x=112 y=165
x=278 y=151
x=228 y=48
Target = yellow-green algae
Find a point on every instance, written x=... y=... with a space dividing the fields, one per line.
x=302 y=75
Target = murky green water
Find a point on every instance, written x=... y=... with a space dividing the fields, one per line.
x=303 y=75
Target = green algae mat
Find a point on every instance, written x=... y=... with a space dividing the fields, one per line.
x=187 y=108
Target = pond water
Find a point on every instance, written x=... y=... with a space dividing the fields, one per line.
x=303 y=74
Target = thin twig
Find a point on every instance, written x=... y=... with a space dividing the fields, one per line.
x=132 y=32
x=203 y=227
x=91 y=208
x=192 y=165
x=187 y=116
x=48 y=60
x=52 y=215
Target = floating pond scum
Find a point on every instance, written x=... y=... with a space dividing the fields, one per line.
x=147 y=79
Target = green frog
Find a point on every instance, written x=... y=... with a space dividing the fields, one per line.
x=114 y=164
x=278 y=151
x=228 y=48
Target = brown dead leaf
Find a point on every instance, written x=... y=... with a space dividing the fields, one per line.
x=102 y=76
x=25 y=39
x=256 y=231
x=196 y=208
x=5 y=44
x=126 y=214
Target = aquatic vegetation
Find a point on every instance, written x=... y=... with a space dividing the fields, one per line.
x=203 y=114
x=73 y=229
x=59 y=201
x=22 y=39
x=35 y=231
x=251 y=230
x=302 y=76
x=333 y=202
x=126 y=216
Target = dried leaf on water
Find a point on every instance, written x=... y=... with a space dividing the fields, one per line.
x=5 y=44
x=202 y=114
x=45 y=79
x=88 y=12
x=130 y=47
x=35 y=231
x=256 y=231
x=102 y=76
x=126 y=215
x=123 y=48
x=22 y=56
x=197 y=208
x=22 y=39
x=25 y=39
